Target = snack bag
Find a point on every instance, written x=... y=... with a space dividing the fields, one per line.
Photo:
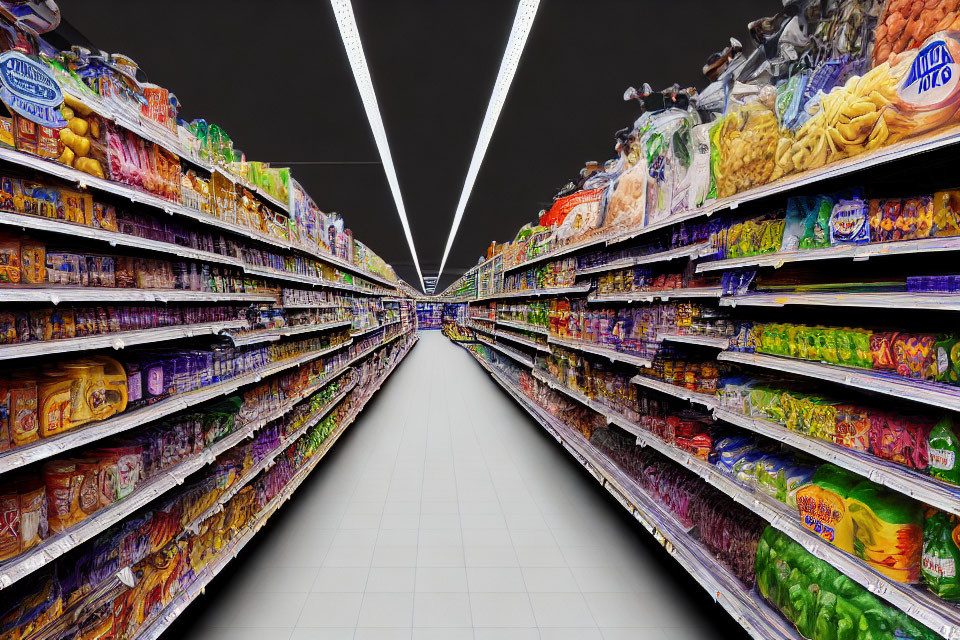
x=881 y=350
x=947 y=354
x=943 y=446
x=946 y=213
x=747 y=142
x=852 y=428
x=889 y=531
x=849 y=222
x=700 y=177
x=900 y=439
x=807 y=223
x=627 y=204
x=823 y=506
x=941 y=554
x=915 y=356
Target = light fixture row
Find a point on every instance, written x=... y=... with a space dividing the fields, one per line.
x=343 y=10
x=526 y=12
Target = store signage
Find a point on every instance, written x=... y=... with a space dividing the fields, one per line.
x=933 y=76
x=28 y=88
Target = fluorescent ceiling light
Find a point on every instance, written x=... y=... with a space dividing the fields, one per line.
x=526 y=12
x=343 y=10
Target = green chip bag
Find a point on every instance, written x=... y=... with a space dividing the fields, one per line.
x=943 y=445
x=941 y=554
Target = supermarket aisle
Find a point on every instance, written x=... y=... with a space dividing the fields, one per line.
x=446 y=513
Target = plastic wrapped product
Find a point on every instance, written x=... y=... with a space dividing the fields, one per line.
x=823 y=506
x=849 y=222
x=943 y=447
x=889 y=531
x=807 y=223
x=747 y=143
x=941 y=554
x=900 y=439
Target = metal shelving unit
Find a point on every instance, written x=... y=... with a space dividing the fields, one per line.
x=598 y=350
x=932 y=393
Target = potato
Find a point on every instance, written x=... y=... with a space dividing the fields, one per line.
x=67 y=112
x=91 y=166
x=67 y=157
x=79 y=144
x=79 y=126
x=94 y=127
x=76 y=105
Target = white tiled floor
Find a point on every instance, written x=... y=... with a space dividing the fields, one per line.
x=446 y=513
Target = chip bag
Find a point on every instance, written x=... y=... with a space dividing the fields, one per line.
x=943 y=446
x=889 y=531
x=941 y=554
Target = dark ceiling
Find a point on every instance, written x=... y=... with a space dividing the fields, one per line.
x=276 y=78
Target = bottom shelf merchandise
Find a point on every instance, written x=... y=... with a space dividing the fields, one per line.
x=135 y=578
x=767 y=518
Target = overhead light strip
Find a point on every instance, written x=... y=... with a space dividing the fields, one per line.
x=343 y=10
x=526 y=12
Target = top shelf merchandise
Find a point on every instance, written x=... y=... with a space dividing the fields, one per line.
x=676 y=303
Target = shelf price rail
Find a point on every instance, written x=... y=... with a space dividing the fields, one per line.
x=745 y=606
x=117 y=340
x=127 y=420
x=153 y=629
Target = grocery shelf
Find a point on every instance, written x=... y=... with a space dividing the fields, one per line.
x=884 y=300
x=117 y=340
x=891 y=475
x=277 y=274
x=152 y=629
x=267 y=461
x=689 y=251
x=533 y=293
x=932 y=393
x=481 y=319
x=650 y=296
x=562 y=251
x=525 y=326
x=114 y=238
x=488 y=330
x=512 y=353
x=361 y=332
x=676 y=391
x=900 y=150
x=521 y=340
x=383 y=343
x=56 y=295
x=84 y=180
x=55 y=546
x=745 y=606
x=612 y=354
x=85 y=434
x=272 y=335
x=716 y=342
x=853 y=251
x=921 y=605
x=311 y=306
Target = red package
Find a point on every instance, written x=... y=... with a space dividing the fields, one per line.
x=881 y=348
x=900 y=439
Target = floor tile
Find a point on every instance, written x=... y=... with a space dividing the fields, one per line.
x=441 y=579
x=441 y=610
x=495 y=580
x=501 y=610
x=440 y=556
x=330 y=610
x=391 y=580
x=386 y=610
x=490 y=556
x=549 y=580
x=561 y=610
x=394 y=556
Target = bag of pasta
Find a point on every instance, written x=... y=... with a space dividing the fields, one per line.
x=747 y=142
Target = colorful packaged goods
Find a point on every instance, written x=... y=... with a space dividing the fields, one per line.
x=941 y=554
x=824 y=509
x=943 y=448
x=889 y=531
x=820 y=601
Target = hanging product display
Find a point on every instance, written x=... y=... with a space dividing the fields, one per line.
x=186 y=335
x=752 y=372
